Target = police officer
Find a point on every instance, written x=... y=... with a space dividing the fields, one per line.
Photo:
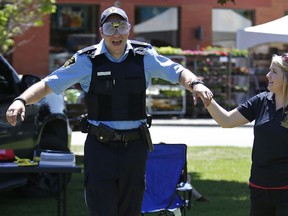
x=114 y=74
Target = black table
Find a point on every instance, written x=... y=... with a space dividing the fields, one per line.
x=62 y=173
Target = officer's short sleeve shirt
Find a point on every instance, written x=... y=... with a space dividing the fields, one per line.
x=78 y=69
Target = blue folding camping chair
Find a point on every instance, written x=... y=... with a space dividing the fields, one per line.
x=167 y=190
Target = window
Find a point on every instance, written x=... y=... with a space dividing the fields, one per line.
x=72 y=27
x=157 y=25
x=226 y=23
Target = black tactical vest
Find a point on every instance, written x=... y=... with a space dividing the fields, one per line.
x=117 y=90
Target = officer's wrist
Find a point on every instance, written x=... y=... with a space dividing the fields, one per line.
x=196 y=82
x=20 y=99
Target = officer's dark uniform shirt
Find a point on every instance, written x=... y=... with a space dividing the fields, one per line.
x=78 y=69
x=270 y=147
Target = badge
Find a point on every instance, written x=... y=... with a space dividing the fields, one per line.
x=104 y=73
x=140 y=50
x=69 y=62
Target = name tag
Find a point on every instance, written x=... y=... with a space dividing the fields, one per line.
x=104 y=73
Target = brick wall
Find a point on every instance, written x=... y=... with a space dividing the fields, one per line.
x=32 y=51
x=33 y=56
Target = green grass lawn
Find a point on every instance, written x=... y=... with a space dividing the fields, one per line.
x=221 y=175
x=218 y=173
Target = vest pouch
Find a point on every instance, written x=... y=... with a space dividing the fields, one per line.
x=104 y=133
x=84 y=124
x=147 y=137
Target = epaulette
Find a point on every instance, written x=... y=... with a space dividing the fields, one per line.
x=88 y=50
x=139 y=47
x=135 y=43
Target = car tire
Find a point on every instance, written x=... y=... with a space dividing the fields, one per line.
x=52 y=142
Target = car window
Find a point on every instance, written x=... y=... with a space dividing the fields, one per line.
x=6 y=86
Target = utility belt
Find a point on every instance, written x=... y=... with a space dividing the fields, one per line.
x=106 y=134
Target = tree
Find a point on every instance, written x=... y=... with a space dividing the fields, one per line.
x=17 y=16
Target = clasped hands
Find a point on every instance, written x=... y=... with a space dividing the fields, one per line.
x=202 y=92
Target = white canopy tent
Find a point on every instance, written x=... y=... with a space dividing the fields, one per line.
x=274 y=31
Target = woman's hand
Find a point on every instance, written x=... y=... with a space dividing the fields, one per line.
x=201 y=91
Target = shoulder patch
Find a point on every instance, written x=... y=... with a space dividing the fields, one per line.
x=69 y=62
x=140 y=50
x=140 y=47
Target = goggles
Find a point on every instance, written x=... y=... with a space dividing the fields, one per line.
x=122 y=27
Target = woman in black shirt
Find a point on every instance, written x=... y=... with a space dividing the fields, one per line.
x=269 y=171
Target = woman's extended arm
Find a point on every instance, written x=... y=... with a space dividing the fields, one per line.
x=226 y=119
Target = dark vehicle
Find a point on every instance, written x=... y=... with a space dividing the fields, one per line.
x=45 y=127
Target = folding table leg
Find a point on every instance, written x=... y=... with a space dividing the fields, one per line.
x=62 y=195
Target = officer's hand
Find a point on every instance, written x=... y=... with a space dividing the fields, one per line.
x=15 y=109
x=204 y=93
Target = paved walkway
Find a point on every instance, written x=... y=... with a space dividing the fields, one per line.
x=188 y=122
x=193 y=132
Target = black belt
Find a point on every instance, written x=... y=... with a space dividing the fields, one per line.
x=119 y=135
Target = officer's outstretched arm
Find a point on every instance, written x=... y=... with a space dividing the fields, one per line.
x=32 y=95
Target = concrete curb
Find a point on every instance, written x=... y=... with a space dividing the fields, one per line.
x=189 y=122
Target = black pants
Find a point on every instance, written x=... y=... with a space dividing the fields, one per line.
x=114 y=177
x=268 y=202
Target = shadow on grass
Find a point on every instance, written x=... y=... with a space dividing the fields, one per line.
x=225 y=198
x=13 y=203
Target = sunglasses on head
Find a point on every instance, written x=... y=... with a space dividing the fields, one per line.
x=284 y=58
x=110 y=28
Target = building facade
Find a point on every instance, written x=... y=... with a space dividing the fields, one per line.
x=188 y=24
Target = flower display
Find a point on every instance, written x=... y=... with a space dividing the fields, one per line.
x=207 y=51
